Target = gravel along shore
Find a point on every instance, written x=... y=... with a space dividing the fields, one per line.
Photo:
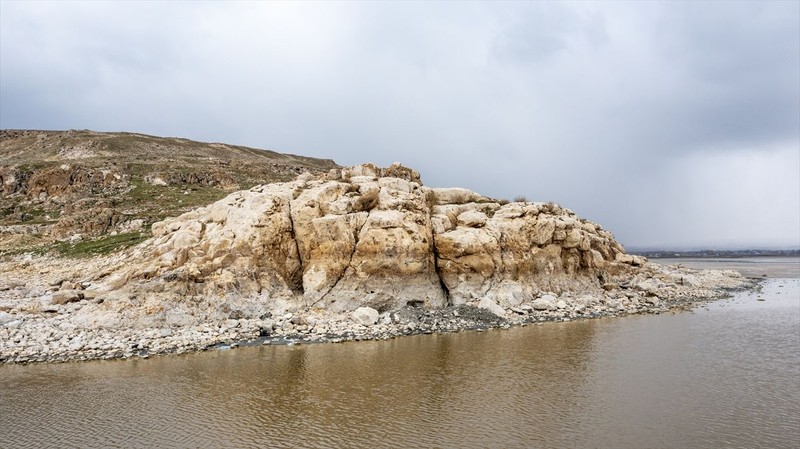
x=48 y=324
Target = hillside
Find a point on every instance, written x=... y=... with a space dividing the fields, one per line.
x=83 y=192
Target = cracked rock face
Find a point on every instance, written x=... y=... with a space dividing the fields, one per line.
x=372 y=237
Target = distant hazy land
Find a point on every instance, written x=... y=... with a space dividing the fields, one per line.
x=715 y=253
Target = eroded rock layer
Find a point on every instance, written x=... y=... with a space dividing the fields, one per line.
x=376 y=237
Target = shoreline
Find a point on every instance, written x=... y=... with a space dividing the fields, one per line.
x=429 y=324
x=761 y=267
x=358 y=253
x=53 y=339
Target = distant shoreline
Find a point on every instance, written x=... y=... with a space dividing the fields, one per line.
x=716 y=254
x=750 y=266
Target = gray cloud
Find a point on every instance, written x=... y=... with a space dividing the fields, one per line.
x=647 y=117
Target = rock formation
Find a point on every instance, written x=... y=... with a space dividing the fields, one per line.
x=360 y=253
x=375 y=237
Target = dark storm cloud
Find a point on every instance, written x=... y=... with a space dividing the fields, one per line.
x=644 y=116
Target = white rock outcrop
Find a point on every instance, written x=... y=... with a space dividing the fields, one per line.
x=366 y=237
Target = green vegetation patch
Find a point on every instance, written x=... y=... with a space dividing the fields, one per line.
x=37 y=215
x=104 y=245
x=88 y=248
x=172 y=198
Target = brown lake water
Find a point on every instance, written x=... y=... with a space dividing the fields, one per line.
x=725 y=375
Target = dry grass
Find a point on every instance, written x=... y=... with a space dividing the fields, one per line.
x=430 y=199
x=367 y=201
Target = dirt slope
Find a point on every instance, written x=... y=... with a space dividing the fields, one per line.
x=74 y=192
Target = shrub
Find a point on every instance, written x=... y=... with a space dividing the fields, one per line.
x=430 y=199
x=367 y=201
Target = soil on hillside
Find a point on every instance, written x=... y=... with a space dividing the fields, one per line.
x=83 y=192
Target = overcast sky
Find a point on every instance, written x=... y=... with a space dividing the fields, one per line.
x=672 y=124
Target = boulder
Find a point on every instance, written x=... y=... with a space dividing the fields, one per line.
x=65 y=296
x=366 y=316
x=68 y=285
x=472 y=219
x=493 y=307
x=11 y=284
x=6 y=318
x=455 y=195
x=546 y=302
x=624 y=258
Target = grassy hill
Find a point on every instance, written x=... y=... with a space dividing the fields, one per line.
x=82 y=192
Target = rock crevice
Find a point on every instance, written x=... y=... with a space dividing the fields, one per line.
x=296 y=281
x=438 y=271
x=349 y=265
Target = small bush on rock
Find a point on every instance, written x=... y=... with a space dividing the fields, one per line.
x=367 y=201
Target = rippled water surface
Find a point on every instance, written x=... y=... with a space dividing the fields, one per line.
x=727 y=375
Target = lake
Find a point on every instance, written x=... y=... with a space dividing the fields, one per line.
x=724 y=375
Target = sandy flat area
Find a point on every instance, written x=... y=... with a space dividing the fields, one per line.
x=771 y=267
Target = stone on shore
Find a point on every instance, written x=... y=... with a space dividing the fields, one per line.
x=493 y=307
x=546 y=302
x=6 y=318
x=366 y=316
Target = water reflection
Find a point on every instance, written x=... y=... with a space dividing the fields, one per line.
x=724 y=377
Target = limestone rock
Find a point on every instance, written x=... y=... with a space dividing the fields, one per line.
x=6 y=318
x=10 y=284
x=631 y=259
x=65 y=296
x=510 y=294
x=455 y=196
x=492 y=306
x=472 y=219
x=68 y=285
x=382 y=251
x=469 y=258
x=365 y=315
x=546 y=302
x=362 y=236
x=75 y=344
